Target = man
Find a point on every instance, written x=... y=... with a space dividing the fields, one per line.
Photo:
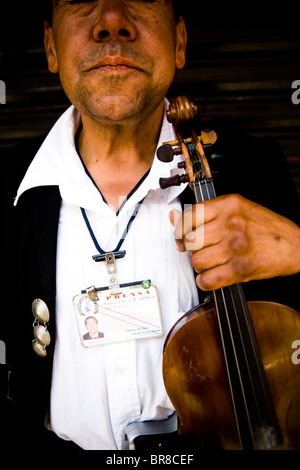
x=95 y=171
x=91 y=324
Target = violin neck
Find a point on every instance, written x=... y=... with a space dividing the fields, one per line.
x=253 y=405
x=203 y=190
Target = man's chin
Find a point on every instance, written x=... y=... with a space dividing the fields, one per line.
x=116 y=108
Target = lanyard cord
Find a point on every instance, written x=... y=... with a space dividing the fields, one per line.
x=122 y=239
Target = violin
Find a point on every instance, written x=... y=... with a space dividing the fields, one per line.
x=227 y=364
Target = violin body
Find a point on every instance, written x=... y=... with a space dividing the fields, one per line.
x=196 y=381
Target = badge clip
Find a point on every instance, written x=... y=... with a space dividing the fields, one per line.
x=111 y=266
x=92 y=294
x=117 y=255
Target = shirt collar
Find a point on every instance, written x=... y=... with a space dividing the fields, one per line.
x=57 y=163
x=57 y=150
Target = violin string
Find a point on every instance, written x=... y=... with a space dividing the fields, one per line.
x=198 y=186
x=242 y=390
x=209 y=196
x=208 y=186
x=255 y=367
x=237 y=316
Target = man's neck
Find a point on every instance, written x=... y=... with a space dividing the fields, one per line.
x=117 y=155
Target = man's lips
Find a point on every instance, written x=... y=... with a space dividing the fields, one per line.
x=114 y=63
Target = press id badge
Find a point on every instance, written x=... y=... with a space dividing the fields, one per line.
x=119 y=314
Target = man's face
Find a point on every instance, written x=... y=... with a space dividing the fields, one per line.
x=116 y=58
x=92 y=326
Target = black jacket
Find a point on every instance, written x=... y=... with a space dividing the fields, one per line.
x=254 y=168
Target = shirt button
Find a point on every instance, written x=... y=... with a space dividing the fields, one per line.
x=121 y=370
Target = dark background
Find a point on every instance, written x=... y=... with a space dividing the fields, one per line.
x=242 y=59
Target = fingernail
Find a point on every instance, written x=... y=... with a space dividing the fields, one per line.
x=179 y=246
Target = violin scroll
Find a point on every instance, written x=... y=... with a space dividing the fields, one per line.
x=181 y=114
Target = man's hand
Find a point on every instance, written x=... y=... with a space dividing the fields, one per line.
x=234 y=240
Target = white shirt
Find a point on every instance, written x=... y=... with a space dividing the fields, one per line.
x=97 y=391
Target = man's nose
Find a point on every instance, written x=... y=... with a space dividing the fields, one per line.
x=114 y=22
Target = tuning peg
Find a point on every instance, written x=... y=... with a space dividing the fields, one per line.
x=166 y=152
x=176 y=180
